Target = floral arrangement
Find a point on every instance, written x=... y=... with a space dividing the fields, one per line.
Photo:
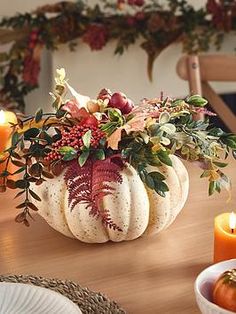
x=124 y=21
x=90 y=141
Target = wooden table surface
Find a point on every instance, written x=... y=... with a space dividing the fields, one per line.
x=145 y=276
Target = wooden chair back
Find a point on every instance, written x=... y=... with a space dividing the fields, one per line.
x=199 y=70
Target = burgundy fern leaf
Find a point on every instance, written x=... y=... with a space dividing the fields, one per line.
x=90 y=184
x=106 y=220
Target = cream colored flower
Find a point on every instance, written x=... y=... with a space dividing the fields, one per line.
x=60 y=79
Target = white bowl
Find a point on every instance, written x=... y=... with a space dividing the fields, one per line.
x=204 y=285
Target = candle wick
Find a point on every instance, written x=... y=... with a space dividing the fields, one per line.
x=232 y=230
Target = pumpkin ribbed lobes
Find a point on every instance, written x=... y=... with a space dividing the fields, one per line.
x=90 y=184
x=136 y=209
x=163 y=210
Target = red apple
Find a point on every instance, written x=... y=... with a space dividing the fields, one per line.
x=118 y=100
x=128 y=107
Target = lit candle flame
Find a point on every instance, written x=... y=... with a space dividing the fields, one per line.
x=232 y=221
x=2 y=117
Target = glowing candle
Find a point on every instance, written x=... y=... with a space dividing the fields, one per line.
x=5 y=135
x=225 y=237
x=6 y=117
x=232 y=222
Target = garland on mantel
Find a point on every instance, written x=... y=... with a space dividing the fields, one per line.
x=124 y=21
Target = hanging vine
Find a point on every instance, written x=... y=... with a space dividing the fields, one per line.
x=124 y=21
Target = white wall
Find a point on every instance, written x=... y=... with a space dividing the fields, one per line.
x=90 y=71
x=38 y=98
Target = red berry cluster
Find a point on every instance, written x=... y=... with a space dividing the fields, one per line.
x=131 y=20
x=138 y=3
x=31 y=70
x=73 y=137
x=33 y=38
x=96 y=36
x=32 y=60
x=222 y=16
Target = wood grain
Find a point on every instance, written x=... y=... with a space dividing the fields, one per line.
x=214 y=67
x=145 y=276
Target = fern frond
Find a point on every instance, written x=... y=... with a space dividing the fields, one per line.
x=90 y=184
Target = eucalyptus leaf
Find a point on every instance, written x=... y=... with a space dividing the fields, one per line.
x=22 y=184
x=164 y=117
x=164 y=157
x=218 y=187
x=11 y=184
x=87 y=138
x=100 y=154
x=20 y=170
x=47 y=137
x=47 y=174
x=19 y=194
x=160 y=192
x=17 y=163
x=177 y=102
x=110 y=127
x=145 y=137
x=31 y=133
x=165 y=141
x=157 y=176
x=229 y=140
x=149 y=181
x=115 y=115
x=60 y=113
x=38 y=115
x=68 y=152
x=36 y=169
x=162 y=186
x=216 y=132
x=205 y=174
x=32 y=206
x=22 y=205
x=83 y=158
x=142 y=176
x=153 y=161
x=15 y=139
x=212 y=187
x=169 y=128
x=34 y=195
x=196 y=100
x=220 y=164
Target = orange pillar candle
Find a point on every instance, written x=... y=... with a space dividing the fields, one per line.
x=225 y=237
x=5 y=136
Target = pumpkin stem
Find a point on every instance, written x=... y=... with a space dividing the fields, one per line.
x=229 y=277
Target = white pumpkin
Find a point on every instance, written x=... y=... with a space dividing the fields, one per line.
x=136 y=209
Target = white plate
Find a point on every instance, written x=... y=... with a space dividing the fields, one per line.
x=18 y=298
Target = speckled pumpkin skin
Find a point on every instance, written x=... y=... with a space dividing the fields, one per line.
x=136 y=209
